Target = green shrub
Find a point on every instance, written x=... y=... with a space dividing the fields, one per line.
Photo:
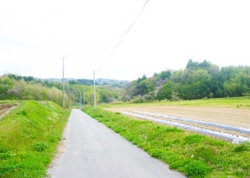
x=191 y=139
x=245 y=146
x=205 y=153
x=156 y=153
x=22 y=112
x=196 y=169
x=5 y=155
x=40 y=146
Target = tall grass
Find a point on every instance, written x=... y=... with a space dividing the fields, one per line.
x=29 y=135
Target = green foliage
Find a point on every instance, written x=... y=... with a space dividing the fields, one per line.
x=109 y=94
x=164 y=75
x=22 y=112
x=245 y=146
x=196 y=85
x=83 y=82
x=156 y=153
x=166 y=91
x=138 y=99
x=16 y=88
x=196 y=81
x=192 y=154
x=195 y=138
x=196 y=169
x=40 y=146
x=206 y=153
x=29 y=135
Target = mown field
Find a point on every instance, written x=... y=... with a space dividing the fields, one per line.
x=29 y=136
x=236 y=102
x=193 y=154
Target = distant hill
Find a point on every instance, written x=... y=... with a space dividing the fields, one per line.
x=99 y=81
x=17 y=87
x=55 y=79
x=198 y=80
x=112 y=82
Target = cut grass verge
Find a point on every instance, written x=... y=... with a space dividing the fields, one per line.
x=192 y=154
x=29 y=135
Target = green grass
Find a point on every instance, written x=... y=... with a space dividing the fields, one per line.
x=237 y=102
x=192 y=154
x=29 y=135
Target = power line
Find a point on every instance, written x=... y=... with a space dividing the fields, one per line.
x=123 y=37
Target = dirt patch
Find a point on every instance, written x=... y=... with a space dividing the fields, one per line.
x=60 y=150
x=6 y=108
x=59 y=153
x=229 y=116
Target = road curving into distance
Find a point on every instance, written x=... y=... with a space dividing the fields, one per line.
x=94 y=151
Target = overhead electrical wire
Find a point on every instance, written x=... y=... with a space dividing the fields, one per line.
x=123 y=36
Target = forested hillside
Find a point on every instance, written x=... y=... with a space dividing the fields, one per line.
x=16 y=87
x=197 y=80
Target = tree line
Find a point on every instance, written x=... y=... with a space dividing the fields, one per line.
x=16 y=87
x=196 y=81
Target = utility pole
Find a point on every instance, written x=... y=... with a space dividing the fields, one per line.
x=84 y=98
x=75 y=101
x=80 y=99
x=94 y=91
x=68 y=96
x=63 y=84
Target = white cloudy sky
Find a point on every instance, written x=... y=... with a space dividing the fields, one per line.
x=35 y=34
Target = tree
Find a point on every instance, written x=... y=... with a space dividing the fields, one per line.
x=89 y=96
x=197 y=84
x=192 y=64
x=166 y=91
x=155 y=74
x=144 y=77
x=164 y=75
x=141 y=88
x=138 y=80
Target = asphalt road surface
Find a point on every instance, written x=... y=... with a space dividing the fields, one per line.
x=94 y=151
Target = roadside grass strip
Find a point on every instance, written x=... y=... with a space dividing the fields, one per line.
x=231 y=137
x=29 y=135
x=192 y=154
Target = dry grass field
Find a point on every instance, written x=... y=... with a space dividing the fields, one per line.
x=239 y=117
x=5 y=108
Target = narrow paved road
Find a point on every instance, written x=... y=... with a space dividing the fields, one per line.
x=94 y=151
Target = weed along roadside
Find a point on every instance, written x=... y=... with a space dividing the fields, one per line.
x=29 y=136
x=193 y=154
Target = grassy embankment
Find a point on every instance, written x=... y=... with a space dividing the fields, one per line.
x=29 y=135
x=193 y=154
